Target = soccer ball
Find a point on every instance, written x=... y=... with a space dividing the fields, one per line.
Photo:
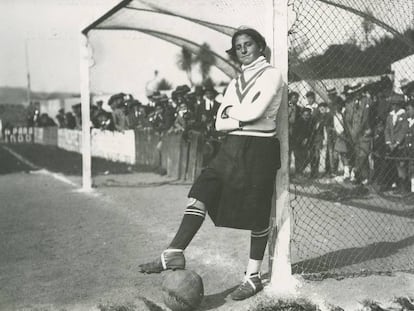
x=182 y=290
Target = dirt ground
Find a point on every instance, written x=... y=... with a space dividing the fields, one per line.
x=64 y=249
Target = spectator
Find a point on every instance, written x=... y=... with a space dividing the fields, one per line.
x=70 y=120
x=381 y=90
x=210 y=106
x=319 y=137
x=96 y=111
x=168 y=112
x=311 y=101
x=119 y=110
x=133 y=113
x=105 y=121
x=142 y=120
x=334 y=102
x=93 y=115
x=183 y=120
x=99 y=104
x=294 y=114
x=198 y=102
x=396 y=128
x=33 y=114
x=408 y=90
x=178 y=95
x=359 y=133
x=61 y=118
x=340 y=144
x=382 y=171
x=301 y=134
x=46 y=121
x=156 y=119
x=78 y=116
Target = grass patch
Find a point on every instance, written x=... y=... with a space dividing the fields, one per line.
x=287 y=305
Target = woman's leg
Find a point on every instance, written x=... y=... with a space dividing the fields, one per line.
x=252 y=282
x=193 y=218
x=173 y=257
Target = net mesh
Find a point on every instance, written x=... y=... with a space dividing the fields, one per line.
x=351 y=193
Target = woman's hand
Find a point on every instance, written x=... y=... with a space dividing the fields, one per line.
x=225 y=113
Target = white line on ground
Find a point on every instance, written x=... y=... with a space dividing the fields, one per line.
x=20 y=158
x=56 y=176
x=38 y=170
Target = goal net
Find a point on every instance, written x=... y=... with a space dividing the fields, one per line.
x=351 y=73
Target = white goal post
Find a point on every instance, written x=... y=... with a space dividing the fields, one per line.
x=281 y=275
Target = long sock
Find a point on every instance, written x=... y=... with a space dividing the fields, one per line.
x=192 y=220
x=253 y=266
x=258 y=242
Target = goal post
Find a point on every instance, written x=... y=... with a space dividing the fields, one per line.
x=85 y=61
x=281 y=271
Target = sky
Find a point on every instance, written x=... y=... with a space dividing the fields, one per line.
x=123 y=62
x=51 y=30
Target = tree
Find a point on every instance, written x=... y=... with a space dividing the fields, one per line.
x=164 y=85
x=206 y=59
x=367 y=26
x=185 y=62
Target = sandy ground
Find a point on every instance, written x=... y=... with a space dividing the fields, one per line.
x=64 y=249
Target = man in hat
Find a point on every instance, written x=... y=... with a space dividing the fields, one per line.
x=301 y=134
x=133 y=113
x=311 y=101
x=396 y=128
x=210 y=106
x=77 y=111
x=335 y=102
x=60 y=117
x=119 y=110
x=321 y=123
x=359 y=133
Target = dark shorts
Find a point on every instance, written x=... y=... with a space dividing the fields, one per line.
x=237 y=187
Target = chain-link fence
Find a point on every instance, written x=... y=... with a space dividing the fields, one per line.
x=351 y=115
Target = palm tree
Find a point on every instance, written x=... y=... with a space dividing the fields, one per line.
x=206 y=59
x=164 y=85
x=367 y=26
x=185 y=62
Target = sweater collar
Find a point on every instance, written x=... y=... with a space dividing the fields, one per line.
x=258 y=63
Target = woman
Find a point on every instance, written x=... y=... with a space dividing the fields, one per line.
x=236 y=188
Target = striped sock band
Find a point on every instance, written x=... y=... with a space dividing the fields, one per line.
x=191 y=210
x=192 y=220
x=260 y=234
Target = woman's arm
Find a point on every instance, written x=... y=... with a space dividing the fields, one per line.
x=269 y=84
x=223 y=122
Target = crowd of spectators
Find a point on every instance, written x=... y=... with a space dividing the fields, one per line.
x=183 y=111
x=362 y=135
x=180 y=113
x=35 y=118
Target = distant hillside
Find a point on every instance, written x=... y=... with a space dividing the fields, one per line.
x=18 y=95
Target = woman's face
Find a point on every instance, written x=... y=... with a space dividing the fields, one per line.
x=247 y=50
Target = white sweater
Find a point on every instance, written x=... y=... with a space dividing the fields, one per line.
x=252 y=101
